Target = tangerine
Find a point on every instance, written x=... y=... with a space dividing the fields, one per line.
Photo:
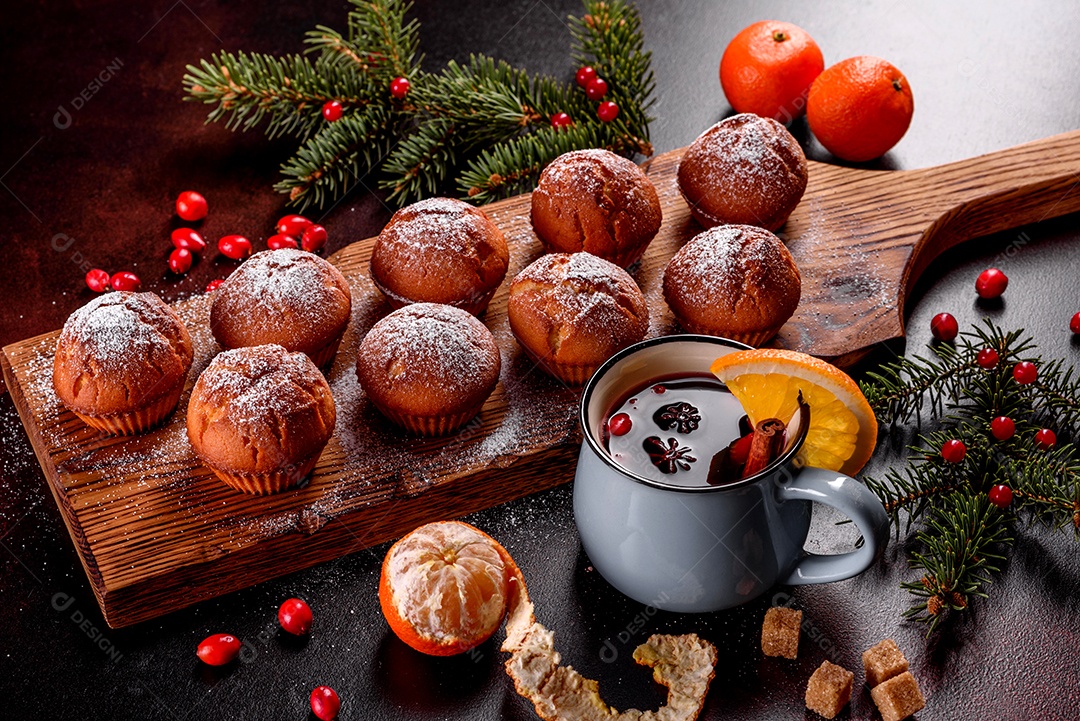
x=767 y=69
x=444 y=587
x=859 y=108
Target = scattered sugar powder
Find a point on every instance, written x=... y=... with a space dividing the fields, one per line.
x=284 y=281
x=585 y=288
x=718 y=261
x=436 y=225
x=741 y=155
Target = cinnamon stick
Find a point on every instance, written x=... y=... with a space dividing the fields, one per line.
x=766 y=447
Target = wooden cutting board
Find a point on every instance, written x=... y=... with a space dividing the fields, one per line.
x=157 y=532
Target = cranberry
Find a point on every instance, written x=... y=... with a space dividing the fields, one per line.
x=607 y=111
x=585 y=75
x=325 y=703
x=219 y=649
x=180 y=260
x=331 y=111
x=1003 y=428
x=991 y=283
x=953 y=451
x=1025 y=372
x=620 y=424
x=125 y=280
x=1074 y=324
x=279 y=241
x=213 y=285
x=1046 y=439
x=658 y=389
x=191 y=206
x=188 y=239
x=97 y=280
x=943 y=326
x=987 y=358
x=596 y=89
x=399 y=87
x=295 y=617
x=313 y=239
x=1001 y=496
x=561 y=120
x=236 y=247
x=293 y=225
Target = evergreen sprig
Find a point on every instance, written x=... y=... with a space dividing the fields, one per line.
x=482 y=127
x=962 y=538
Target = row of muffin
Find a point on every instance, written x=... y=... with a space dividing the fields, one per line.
x=429 y=366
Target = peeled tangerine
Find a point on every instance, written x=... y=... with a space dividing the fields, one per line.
x=446 y=587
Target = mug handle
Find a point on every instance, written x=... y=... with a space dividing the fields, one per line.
x=854 y=500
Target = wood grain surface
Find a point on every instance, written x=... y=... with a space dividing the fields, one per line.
x=157 y=532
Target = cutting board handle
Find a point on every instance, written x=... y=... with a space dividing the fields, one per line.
x=993 y=193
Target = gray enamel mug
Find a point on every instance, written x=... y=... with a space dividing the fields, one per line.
x=705 y=548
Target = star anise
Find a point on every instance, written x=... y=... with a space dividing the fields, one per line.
x=669 y=457
x=683 y=417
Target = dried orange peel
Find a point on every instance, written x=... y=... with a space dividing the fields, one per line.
x=684 y=664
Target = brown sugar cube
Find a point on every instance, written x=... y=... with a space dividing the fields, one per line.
x=898 y=698
x=829 y=689
x=883 y=661
x=780 y=632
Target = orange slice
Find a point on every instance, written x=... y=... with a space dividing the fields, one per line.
x=444 y=587
x=767 y=381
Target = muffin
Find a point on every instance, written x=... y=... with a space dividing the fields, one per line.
x=121 y=362
x=259 y=417
x=428 y=367
x=572 y=312
x=734 y=281
x=597 y=202
x=289 y=297
x=440 y=250
x=744 y=170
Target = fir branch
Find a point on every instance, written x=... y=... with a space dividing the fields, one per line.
x=962 y=549
x=289 y=91
x=330 y=161
x=380 y=41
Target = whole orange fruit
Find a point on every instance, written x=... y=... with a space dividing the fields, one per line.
x=767 y=69
x=444 y=587
x=860 y=108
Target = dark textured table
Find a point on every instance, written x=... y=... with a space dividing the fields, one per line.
x=95 y=145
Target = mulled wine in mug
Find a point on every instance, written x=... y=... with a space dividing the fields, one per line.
x=680 y=507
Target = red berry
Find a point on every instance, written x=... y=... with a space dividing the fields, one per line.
x=191 y=206
x=620 y=424
x=125 y=280
x=399 y=87
x=607 y=111
x=987 y=358
x=659 y=390
x=585 y=75
x=188 y=239
x=213 y=285
x=1074 y=324
x=1003 y=428
x=561 y=120
x=1046 y=438
x=292 y=225
x=180 y=260
x=1000 y=496
x=953 y=451
x=596 y=89
x=991 y=283
x=279 y=241
x=331 y=110
x=944 y=327
x=97 y=280
x=295 y=617
x=219 y=649
x=236 y=247
x=1025 y=372
x=325 y=703
x=314 y=239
